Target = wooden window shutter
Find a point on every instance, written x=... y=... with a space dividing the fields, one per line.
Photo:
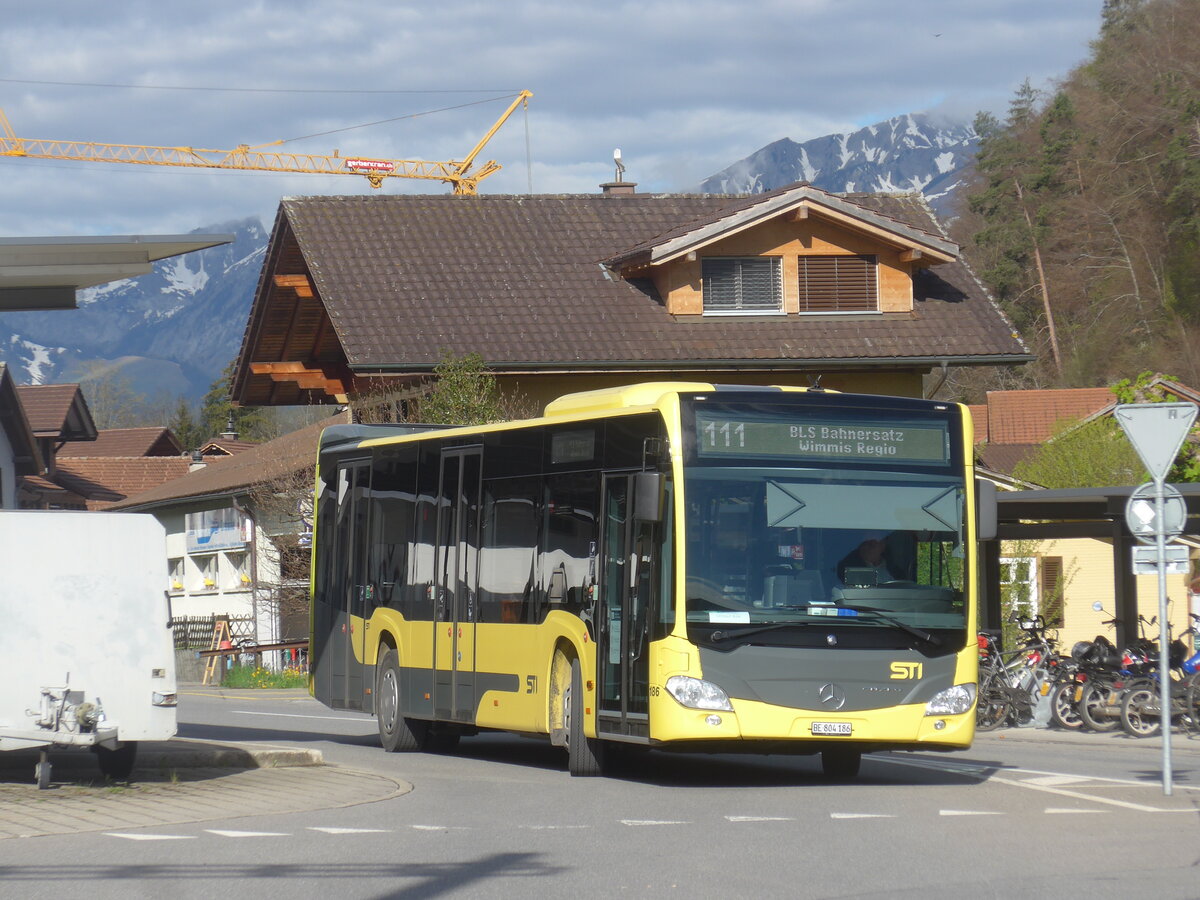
x=742 y=284
x=1051 y=589
x=832 y=284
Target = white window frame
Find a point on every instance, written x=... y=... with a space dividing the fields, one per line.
x=738 y=309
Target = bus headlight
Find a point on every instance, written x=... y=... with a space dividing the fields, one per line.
x=953 y=701
x=696 y=693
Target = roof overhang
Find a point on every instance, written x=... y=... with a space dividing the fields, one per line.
x=795 y=205
x=45 y=272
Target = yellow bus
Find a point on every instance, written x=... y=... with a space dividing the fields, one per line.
x=680 y=566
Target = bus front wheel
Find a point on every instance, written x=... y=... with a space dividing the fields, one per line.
x=396 y=733
x=585 y=755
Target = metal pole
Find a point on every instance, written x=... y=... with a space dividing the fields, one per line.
x=1164 y=640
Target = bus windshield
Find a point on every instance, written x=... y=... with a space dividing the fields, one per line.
x=835 y=546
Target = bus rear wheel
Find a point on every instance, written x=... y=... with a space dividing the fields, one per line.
x=396 y=733
x=585 y=755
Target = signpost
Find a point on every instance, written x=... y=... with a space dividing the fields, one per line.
x=1155 y=514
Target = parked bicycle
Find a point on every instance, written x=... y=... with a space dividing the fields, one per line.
x=1011 y=682
x=1141 y=706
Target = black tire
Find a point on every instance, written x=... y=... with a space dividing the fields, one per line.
x=993 y=707
x=117 y=764
x=1063 y=711
x=41 y=775
x=397 y=734
x=1191 y=700
x=840 y=763
x=1090 y=707
x=1140 y=713
x=585 y=755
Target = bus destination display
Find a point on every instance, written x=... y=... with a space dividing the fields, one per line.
x=863 y=441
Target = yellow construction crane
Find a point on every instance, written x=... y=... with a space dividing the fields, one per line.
x=456 y=173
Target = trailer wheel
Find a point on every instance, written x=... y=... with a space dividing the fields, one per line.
x=117 y=764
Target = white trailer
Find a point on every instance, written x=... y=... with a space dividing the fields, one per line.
x=87 y=658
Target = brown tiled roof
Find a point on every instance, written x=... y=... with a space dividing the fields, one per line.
x=54 y=410
x=125 y=442
x=284 y=455
x=520 y=281
x=1004 y=457
x=1024 y=417
x=103 y=481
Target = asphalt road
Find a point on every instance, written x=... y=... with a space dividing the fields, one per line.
x=1020 y=814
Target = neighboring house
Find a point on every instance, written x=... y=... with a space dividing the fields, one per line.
x=1011 y=425
x=237 y=533
x=569 y=293
x=19 y=456
x=222 y=446
x=87 y=468
x=1063 y=577
x=58 y=414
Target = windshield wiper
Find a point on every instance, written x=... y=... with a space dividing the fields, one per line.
x=918 y=633
x=745 y=632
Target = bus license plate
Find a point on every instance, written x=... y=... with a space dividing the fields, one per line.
x=831 y=728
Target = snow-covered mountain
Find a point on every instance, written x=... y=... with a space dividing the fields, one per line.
x=172 y=331
x=912 y=153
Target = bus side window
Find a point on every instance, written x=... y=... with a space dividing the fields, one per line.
x=508 y=554
x=391 y=527
x=569 y=538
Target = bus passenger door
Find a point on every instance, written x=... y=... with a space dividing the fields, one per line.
x=455 y=609
x=348 y=642
x=626 y=579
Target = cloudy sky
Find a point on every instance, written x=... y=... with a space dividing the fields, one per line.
x=683 y=88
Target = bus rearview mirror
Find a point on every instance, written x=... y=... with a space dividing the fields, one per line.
x=986 y=510
x=647 y=494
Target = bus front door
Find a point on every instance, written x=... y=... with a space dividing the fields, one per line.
x=457 y=573
x=354 y=605
x=626 y=578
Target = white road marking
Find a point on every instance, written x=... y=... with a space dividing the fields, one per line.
x=150 y=837
x=255 y=712
x=242 y=834
x=967 y=812
x=437 y=828
x=349 y=830
x=552 y=827
x=760 y=818
x=1056 y=780
x=1035 y=784
x=861 y=816
x=636 y=822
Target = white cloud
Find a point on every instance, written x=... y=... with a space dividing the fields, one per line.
x=684 y=88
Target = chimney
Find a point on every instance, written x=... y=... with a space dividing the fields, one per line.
x=230 y=433
x=619 y=187
x=197 y=461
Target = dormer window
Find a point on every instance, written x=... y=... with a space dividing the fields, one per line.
x=838 y=284
x=740 y=285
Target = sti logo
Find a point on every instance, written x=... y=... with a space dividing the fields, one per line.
x=906 y=671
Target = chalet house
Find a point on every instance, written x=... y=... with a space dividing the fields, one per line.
x=572 y=293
